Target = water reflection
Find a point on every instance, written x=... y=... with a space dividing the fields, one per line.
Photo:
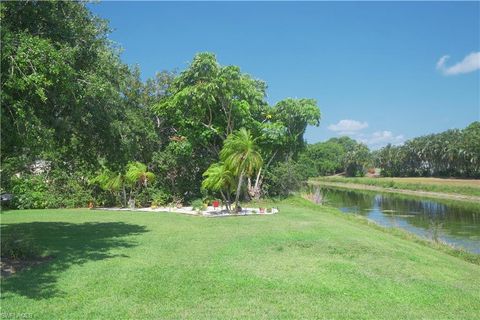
x=454 y=222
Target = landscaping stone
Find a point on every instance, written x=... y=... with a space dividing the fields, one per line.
x=210 y=211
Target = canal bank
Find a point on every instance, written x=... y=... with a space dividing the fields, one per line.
x=453 y=222
x=417 y=193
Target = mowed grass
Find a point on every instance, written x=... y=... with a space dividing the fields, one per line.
x=468 y=187
x=306 y=262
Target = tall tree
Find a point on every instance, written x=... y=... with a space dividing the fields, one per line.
x=241 y=156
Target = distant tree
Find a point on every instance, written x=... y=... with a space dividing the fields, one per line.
x=449 y=153
x=357 y=160
x=326 y=157
x=285 y=177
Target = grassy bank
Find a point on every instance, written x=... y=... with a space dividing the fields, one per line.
x=306 y=262
x=449 y=186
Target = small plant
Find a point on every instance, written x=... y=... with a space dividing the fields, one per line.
x=269 y=210
x=198 y=205
x=254 y=211
x=15 y=248
x=177 y=202
x=160 y=198
x=262 y=210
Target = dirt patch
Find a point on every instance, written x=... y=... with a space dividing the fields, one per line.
x=10 y=266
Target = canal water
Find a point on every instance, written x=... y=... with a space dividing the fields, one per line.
x=453 y=222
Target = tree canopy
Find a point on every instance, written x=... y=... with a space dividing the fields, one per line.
x=70 y=103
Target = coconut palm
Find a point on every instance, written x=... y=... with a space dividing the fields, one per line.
x=113 y=182
x=219 y=179
x=241 y=156
x=137 y=176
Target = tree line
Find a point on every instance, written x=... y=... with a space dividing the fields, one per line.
x=452 y=153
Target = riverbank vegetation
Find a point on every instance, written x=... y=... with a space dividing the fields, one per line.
x=324 y=261
x=451 y=186
x=453 y=153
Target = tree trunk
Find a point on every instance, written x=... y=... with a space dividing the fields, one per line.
x=124 y=193
x=255 y=191
x=227 y=202
x=239 y=188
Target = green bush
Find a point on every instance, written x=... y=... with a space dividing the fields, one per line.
x=161 y=198
x=285 y=178
x=53 y=190
x=30 y=192
x=198 y=205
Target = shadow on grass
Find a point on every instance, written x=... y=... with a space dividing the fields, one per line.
x=69 y=244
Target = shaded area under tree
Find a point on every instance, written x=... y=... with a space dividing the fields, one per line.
x=69 y=244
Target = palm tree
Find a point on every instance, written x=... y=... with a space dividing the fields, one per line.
x=240 y=155
x=113 y=182
x=138 y=176
x=218 y=178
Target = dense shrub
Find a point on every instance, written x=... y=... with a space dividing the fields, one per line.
x=198 y=205
x=55 y=189
x=285 y=178
x=161 y=198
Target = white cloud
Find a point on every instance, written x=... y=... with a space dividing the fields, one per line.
x=469 y=64
x=347 y=126
x=381 y=138
x=374 y=140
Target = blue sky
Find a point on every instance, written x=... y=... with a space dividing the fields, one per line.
x=380 y=71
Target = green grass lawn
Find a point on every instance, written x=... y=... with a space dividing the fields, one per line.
x=455 y=186
x=305 y=262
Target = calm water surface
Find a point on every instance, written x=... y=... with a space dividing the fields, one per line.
x=453 y=222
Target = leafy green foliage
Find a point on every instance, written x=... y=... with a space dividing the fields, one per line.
x=68 y=99
x=53 y=189
x=160 y=198
x=218 y=178
x=295 y=115
x=337 y=155
x=198 y=205
x=137 y=174
x=240 y=153
x=450 y=153
x=240 y=158
x=357 y=160
x=285 y=178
